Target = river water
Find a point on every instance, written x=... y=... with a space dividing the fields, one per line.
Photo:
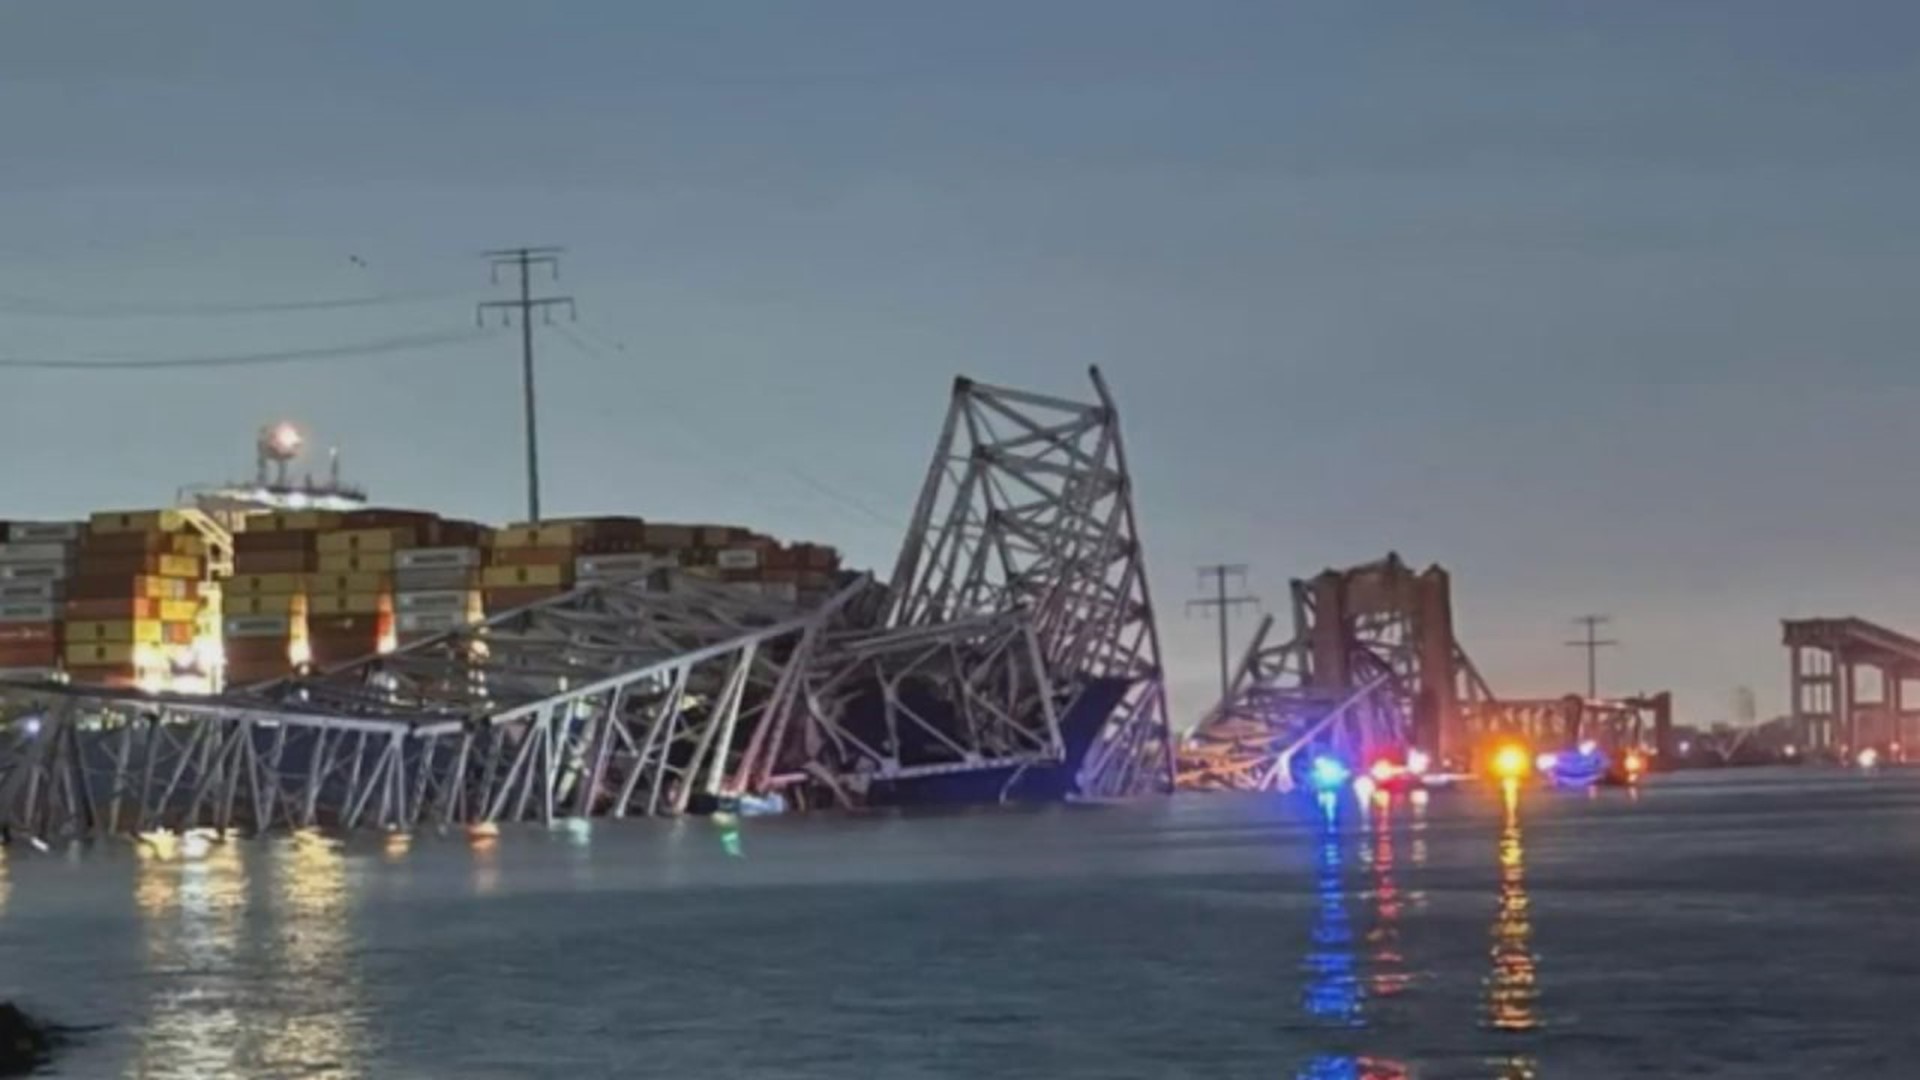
x=1744 y=925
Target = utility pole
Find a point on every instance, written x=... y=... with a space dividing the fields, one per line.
x=524 y=260
x=1593 y=643
x=1222 y=604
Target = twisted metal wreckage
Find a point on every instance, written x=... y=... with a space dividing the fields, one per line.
x=1013 y=653
x=1373 y=667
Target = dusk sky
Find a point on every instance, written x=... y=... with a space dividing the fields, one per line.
x=1604 y=306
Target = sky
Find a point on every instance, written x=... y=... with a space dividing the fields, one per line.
x=1606 y=307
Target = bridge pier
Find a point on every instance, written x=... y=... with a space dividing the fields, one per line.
x=1825 y=658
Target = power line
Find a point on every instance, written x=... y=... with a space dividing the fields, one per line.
x=356 y=350
x=1223 y=605
x=524 y=260
x=13 y=304
x=1593 y=643
x=603 y=346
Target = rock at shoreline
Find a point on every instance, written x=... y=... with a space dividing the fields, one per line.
x=24 y=1042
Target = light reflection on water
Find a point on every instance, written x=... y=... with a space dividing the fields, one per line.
x=1513 y=985
x=1335 y=991
x=210 y=911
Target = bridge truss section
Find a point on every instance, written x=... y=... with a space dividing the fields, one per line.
x=627 y=697
x=1028 y=509
x=1371 y=665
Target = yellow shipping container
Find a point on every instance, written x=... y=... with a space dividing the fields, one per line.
x=191 y=544
x=514 y=536
x=364 y=581
x=126 y=521
x=143 y=631
x=350 y=604
x=498 y=577
x=363 y=540
x=183 y=566
x=179 y=610
x=348 y=562
x=113 y=652
x=267 y=604
x=256 y=584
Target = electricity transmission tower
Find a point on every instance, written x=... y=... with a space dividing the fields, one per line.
x=1593 y=643
x=524 y=260
x=1222 y=605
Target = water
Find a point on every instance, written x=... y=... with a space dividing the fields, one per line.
x=1751 y=925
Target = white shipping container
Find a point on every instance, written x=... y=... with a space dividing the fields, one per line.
x=454 y=600
x=603 y=566
x=445 y=558
x=429 y=622
x=44 y=531
x=38 y=571
x=433 y=580
x=738 y=559
x=781 y=590
x=34 y=552
x=29 y=611
x=259 y=626
x=43 y=591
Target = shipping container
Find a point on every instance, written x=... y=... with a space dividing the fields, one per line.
x=43 y=551
x=436 y=558
x=425 y=623
x=737 y=559
x=27 y=633
x=29 y=654
x=140 y=631
x=341 y=626
x=366 y=541
x=508 y=598
x=117 y=587
x=263 y=584
x=94 y=653
x=40 y=571
x=29 y=611
x=121 y=521
x=179 y=610
x=120 y=607
x=128 y=563
x=49 y=590
x=362 y=582
x=435 y=580
x=349 y=603
x=293 y=604
x=248 y=543
x=499 y=577
x=34 y=532
x=276 y=562
x=295 y=521
x=534 y=556
x=258 y=626
x=604 y=566
x=343 y=562
x=457 y=600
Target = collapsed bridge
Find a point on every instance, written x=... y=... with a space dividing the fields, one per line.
x=1373 y=667
x=1012 y=653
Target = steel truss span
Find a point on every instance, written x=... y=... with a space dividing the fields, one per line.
x=1015 y=650
x=1373 y=666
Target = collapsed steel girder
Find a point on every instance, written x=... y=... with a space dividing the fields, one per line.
x=1019 y=600
x=359 y=746
x=1028 y=506
x=1372 y=664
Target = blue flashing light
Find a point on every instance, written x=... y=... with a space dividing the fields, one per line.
x=1330 y=773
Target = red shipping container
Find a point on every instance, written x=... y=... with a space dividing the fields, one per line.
x=498 y=600
x=128 y=608
x=21 y=654
x=28 y=633
x=114 y=675
x=534 y=556
x=278 y=561
x=274 y=540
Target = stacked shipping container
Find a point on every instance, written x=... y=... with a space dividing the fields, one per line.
x=133 y=603
x=119 y=600
x=36 y=559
